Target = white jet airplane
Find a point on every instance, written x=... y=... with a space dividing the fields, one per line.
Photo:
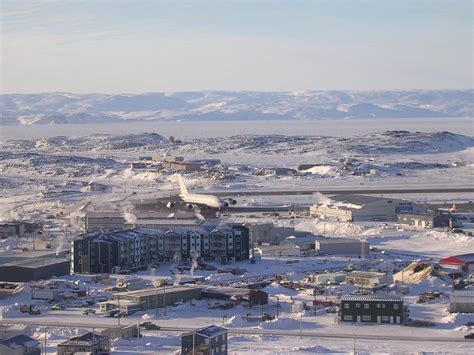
x=202 y=200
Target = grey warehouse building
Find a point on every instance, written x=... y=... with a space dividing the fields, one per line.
x=420 y=220
x=156 y=297
x=462 y=301
x=342 y=246
x=34 y=269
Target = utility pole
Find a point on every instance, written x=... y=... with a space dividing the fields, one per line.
x=355 y=345
x=314 y=303
x=45 y=341
x=301 y=326
x=194 y=341
x=156 y=302
x=164 y=300
x=278 y=306
x=138 y=330
x=118 y=314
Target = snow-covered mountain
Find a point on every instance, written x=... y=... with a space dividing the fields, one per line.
x=63 y=108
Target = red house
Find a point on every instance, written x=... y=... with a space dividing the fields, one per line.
x=464 y=262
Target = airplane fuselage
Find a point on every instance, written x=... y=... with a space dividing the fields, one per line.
x=201 y=199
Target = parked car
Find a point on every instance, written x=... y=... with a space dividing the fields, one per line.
x=34 y=311
x=57 y=307
x=120 y=314
x=112 y=313
x=469 y=336
x=86 y=312
x=150 y=326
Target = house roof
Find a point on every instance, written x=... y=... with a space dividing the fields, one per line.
x=365 y=274
x=212 y=331
x=459 y=259
x=88 y=339
x=375 y=297
x=33 y=263
x=209 y=332
x=19 y=341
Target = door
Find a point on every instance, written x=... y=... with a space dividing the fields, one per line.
x=398 y=319
x=391 y=319
x=358 y=319
x=379 y=319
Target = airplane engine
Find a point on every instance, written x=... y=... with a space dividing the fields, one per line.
x=170 y=204
x=189 y=206
x=231 y=201
x=224 y=205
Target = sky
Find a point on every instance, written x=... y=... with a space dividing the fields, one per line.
x=135 y=46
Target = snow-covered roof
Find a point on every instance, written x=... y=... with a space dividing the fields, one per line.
x=88 y=339
x=375 y=297
x=209 y=332
x=19 y=341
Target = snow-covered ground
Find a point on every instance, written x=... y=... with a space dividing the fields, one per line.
x=45 y=179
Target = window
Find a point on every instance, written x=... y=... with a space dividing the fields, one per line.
x=346 y=305
x=395 y=306
x=357 y=305
x=366 y=318
x=383 y=305
x=379 y=305
x=366 y=306
x=385 y=318
x=347 y=317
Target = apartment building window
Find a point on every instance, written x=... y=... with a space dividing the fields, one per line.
x=357 y=305
x=378 y=305
x=395 y=306
x=366 y=306
x=366 y=318
x=348 y=317
x=385 y=318
x=346 y=305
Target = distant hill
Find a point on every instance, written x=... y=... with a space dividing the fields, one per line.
x=65 y=108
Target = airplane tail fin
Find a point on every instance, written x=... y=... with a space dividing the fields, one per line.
x=182 y=185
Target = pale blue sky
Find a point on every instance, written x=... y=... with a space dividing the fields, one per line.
x=144 y=45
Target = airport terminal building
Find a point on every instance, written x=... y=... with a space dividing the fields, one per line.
x=351 y=207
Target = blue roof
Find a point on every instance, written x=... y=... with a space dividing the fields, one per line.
x=211 y=331
x=19 y=341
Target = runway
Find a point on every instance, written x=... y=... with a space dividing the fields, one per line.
x=324 y=191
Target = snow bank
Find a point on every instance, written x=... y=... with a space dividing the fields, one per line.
x=313 y=349
x=317 y=226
